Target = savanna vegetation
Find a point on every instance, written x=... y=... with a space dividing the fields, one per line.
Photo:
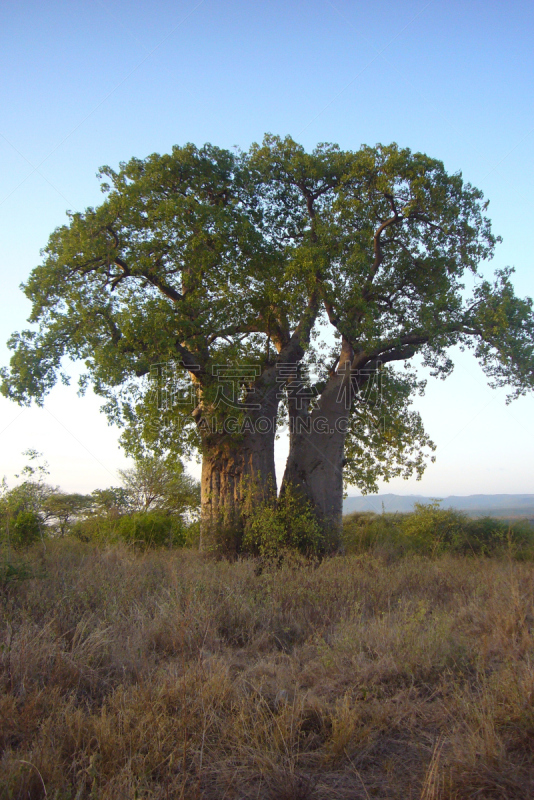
x=134 y=666
x=400 y=670
x=155 y=505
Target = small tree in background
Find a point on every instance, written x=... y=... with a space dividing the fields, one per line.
x=22 y=517
x=112 y=502
x=62 y=509
x=158 y=483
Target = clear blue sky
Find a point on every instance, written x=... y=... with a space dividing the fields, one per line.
x=92 y=83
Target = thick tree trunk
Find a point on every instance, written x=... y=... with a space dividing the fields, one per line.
x=314 y=468
x=237 y=475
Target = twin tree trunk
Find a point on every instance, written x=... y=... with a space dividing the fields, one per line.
x=238 y=470
x=238 y=476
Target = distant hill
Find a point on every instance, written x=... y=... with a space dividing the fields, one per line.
x=496 y=505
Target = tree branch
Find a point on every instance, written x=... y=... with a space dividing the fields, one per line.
x=377 y=247
x=164 y=288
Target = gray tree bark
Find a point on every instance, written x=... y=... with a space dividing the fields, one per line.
x=238 y=473
x=314 y=469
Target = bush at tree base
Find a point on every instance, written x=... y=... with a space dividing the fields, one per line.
x=289 y=525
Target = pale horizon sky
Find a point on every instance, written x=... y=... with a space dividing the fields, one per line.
x=93 y=83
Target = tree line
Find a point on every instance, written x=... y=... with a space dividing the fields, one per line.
x=156 y=504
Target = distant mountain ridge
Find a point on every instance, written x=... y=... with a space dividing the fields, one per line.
x=500 y=505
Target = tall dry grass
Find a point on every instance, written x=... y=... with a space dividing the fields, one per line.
x=167 y=675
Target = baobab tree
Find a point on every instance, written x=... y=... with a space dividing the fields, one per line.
x=224 y=265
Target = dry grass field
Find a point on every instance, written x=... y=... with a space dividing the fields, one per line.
x=168 y=675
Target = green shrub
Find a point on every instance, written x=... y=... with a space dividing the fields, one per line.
x=25 y=529
x=152 y=529
x=431 y=530
x=96 y=529
x=488 y=535
x=13 y=569
x=288 y=525
x=485 y=535
x=365 y=530
x=141 y=529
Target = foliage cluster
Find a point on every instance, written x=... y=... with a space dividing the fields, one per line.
x=145 y=530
